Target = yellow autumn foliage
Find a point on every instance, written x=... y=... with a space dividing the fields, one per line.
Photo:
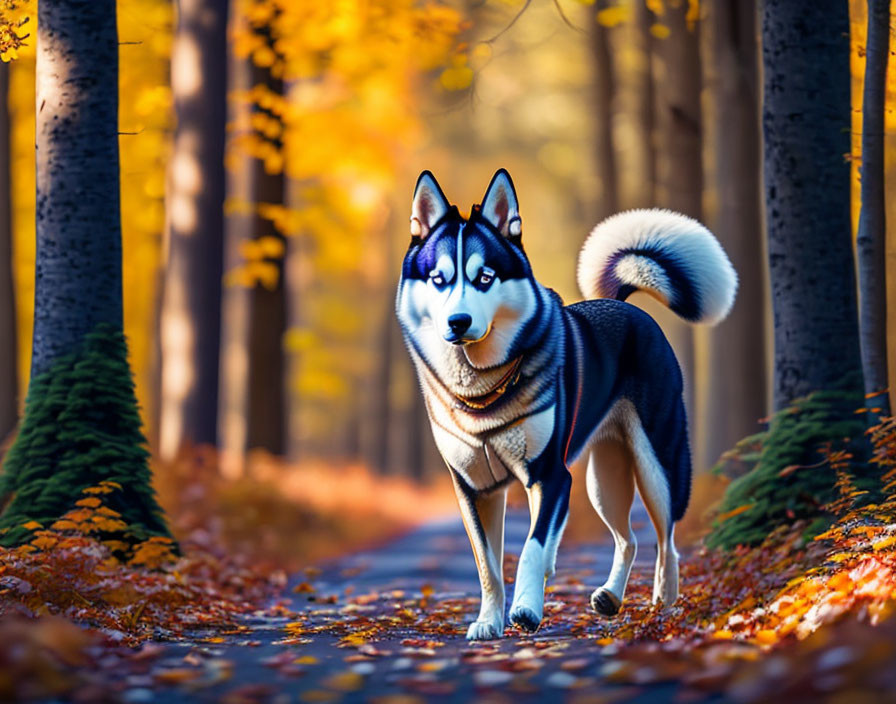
x=15 y=16
x=341 y=133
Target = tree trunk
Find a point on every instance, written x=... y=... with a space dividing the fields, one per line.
x=266 y=370
x=645 y=99
x=818 y=372
x=9 y=393
x=78 y=208
x=604 y=92
x=233 y=398
x=81 y=424
x=266 y=331
x=233 y=387
x=253 y=321
x=633 y=110
x=872 y=233
x=677 y=88
x=806 y=119
x=191 y=300
x=676 y=79
x=735 y=397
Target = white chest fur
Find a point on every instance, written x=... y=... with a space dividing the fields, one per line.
x=484 y=461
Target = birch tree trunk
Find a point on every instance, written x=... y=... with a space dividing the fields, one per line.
x=872 y=234
x=9 y=392
x=190 y=318
x=806 y=119
x=736 y=388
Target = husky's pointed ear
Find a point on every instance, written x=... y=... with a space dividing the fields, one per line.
x=429 y=206
x=500 y=207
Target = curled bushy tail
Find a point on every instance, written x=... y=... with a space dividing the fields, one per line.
x=666 y=254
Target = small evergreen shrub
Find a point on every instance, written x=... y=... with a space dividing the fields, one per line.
x=81 y=427
x=792 y=479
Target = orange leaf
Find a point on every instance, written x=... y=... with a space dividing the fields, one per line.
x=734 y=512
x=884 y=543
x=44 y=542
x=64 y=524
x=766 y=636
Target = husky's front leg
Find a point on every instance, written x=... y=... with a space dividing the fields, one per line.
x=548 y=509
x=483 y=516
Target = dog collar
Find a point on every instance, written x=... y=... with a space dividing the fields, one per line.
x=483 y=401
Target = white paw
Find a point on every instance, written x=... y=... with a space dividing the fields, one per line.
x=666 y=594
x=526 y=618
x=484 y=630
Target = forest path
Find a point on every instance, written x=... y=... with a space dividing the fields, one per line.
x=388 y=625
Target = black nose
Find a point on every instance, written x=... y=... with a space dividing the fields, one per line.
x=460 y=323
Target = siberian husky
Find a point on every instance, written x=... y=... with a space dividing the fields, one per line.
x=517 y=385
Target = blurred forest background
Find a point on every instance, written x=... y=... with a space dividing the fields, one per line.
x=268 y=154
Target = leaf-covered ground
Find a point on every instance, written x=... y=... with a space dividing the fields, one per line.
x=794 y=619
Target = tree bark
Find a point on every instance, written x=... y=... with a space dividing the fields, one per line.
x=806 y=121
x=9 y=392
x=78 y=209
x=191 y=299
x=736 y=396
x=872 y=231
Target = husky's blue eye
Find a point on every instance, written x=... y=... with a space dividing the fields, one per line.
x=486 y=276
x=437 y=278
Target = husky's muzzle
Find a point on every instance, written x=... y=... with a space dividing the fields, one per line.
x=458 y=323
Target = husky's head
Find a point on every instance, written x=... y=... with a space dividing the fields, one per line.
x=467 y=282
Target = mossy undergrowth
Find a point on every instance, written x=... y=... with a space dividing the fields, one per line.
x=81 y=427
x=792 y=477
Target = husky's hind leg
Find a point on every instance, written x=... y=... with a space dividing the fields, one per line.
x=483 y=516
x=654 y=489
x=610 y=482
